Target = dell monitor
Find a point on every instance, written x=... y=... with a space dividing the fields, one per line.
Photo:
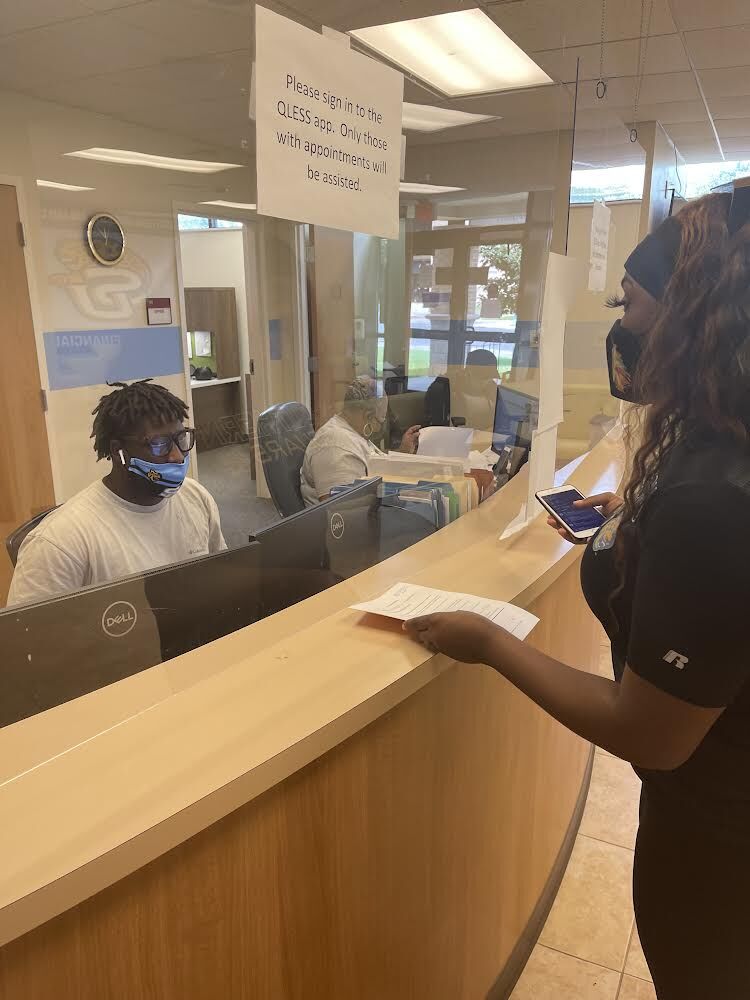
x=309 y=552
x=70 y=645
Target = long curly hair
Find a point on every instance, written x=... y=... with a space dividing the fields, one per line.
x=691 y=371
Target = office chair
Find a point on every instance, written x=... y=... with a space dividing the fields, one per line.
x=437 y=403
x=16 y=538
x=284 y=432
x=395 y=385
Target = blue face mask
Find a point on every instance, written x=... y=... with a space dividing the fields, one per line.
x=166 y=478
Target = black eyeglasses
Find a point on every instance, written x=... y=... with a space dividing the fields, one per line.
x=161 y=444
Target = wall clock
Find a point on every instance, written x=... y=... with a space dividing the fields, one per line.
x=106 y=239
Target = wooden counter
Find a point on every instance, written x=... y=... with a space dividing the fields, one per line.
x=308 y=808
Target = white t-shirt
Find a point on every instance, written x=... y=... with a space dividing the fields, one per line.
x=97 y=537
x=336 y=456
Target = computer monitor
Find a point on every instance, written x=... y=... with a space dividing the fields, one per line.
x=514 y=419
x=308 y=552
x=311 y=551
x=71 y=645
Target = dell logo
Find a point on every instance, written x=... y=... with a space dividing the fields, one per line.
x=676 y=659
x=337 y=526
x=119 y=619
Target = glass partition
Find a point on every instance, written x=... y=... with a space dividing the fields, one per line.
x=165 y=322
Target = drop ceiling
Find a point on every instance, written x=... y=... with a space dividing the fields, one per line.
x=182 y=66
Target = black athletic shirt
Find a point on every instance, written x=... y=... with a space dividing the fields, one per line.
x=682 y=621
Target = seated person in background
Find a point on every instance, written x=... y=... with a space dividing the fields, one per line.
x=142 y=515
x=474 y=393
x=338 y=453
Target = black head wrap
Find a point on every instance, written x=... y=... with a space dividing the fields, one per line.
x=652 y=263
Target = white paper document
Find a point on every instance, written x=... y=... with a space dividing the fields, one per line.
x=445 y=442
x=406 y=600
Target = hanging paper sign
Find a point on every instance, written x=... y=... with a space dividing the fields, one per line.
x=599 y=247
x=328 y=130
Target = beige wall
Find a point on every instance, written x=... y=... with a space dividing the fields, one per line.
x=69 y=290
x=586 y=384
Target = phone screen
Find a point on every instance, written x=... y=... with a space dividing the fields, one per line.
x=574 y=518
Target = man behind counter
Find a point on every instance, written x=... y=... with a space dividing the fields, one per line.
x=144 y=514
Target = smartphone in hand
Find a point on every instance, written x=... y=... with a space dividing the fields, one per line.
x=580 y=522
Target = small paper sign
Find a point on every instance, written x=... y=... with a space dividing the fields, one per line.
x=159 y=312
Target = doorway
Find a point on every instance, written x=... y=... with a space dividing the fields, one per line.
x=218 y=318
x=26 y=486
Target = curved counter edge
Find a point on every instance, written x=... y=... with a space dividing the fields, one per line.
x=115 y=827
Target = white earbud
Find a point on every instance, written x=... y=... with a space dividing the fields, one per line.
x=122 y=457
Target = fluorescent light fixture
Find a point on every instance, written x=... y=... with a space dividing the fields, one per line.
x=231 y=204
x=132 y=158
x=406 y=187
x=460 y=53
x=425 y=118
x=62 y=187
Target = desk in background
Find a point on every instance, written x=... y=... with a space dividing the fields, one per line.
x=217 y=412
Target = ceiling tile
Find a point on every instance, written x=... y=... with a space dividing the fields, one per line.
x=719 y=46
x=347 y=14
x=728 y=107
x=536 y=100
x=213 y=77
x=665 y=54
x=691 y=14
x=189 y=27
x=71 y=50
x=657 y=89
x=698 y=152
x=189 y=118
x=591 y=152
x=729 y=82
x=599 y=119
x=551 y=24
x=549 y=121
x=104 y=5
x=690 y=132
x=676 y=111
x=733 y=128
x=17 y=16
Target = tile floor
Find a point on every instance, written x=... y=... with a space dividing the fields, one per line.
x=589 y=948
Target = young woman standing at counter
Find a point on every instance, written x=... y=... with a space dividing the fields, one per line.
x=669 y=577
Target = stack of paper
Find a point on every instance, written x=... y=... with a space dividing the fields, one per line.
x=451 y=442
x=405 y=601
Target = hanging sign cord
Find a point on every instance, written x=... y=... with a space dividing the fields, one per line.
x=601 y=83
x=647 y=10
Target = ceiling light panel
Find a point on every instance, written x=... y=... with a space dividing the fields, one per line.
x=62 y=187
x=405 y=187
x=425 y=118
x=460 y=53
x=231 y=204
x=129 y=157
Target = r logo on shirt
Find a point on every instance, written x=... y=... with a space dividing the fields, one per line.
x=676 y=659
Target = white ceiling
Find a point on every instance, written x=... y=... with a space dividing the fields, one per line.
x=183 y=66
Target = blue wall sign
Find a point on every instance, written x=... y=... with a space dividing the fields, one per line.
x=93 y=357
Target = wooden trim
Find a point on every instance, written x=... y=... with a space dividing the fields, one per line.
x=505 y=983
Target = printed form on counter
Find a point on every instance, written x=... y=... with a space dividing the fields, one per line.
x=406 y=600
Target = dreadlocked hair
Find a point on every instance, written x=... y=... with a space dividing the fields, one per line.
x=691 y=371
x=120 y=413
